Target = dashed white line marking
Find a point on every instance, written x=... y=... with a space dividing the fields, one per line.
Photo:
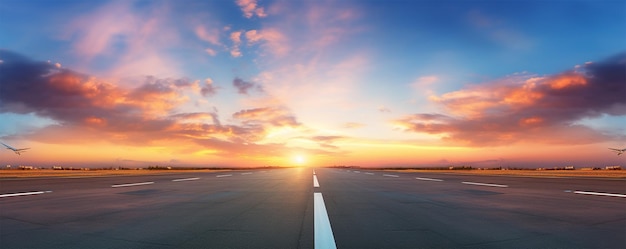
x=428 y=179
x=369 y=173
x=598 y=193
x=313 y=172
x=356 y=171
x=24 y=194
x=186 y=179
x=486 y=184
x=390 y=175
x=316 y=184
x=223 y=175
x=247 y=173
x=131 y=184
x=323 y=233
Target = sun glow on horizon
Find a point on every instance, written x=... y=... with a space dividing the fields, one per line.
x=299 y=160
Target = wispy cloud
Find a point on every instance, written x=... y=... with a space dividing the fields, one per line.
x=136 y=41
x=384 y=109
x=250 y=8
x=209 y=35
x=272 y=40
x=530 y=108
x=498 y=31
x=352 y=125
x=266 y=115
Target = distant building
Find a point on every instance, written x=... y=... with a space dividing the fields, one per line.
x=613 y=167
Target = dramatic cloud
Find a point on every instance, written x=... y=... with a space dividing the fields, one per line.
x=87 y=109
x=530 y=108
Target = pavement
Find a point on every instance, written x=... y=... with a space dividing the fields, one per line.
x=288 y=208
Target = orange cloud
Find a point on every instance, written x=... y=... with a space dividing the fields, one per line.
x=86 y=109
x=568 y=80
x=528 y=108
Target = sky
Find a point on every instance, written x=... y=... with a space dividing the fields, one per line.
x=246 y=83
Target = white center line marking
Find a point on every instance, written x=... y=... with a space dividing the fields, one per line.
x=131 y=184
x=247 y=173
x=356 y=171
x=224 y=175
x=323 y=233
x=598 y=193
x=369 y=173
x=428 y=179
x=486 y=184
x=390 y=175
x=186 y=179
x=314 y=172
x=25 y=194
x=316 y=184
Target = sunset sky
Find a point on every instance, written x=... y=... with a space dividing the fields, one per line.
x=313 y=83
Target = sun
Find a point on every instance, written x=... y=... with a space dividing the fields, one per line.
x=299 y=159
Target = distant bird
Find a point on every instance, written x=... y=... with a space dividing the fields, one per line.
x=619 y=152
x=17 y=151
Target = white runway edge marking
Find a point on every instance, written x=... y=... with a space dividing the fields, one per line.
x=323 y=233
x=25 y=194
x=486 y=184
x=369 y=173
x=186 y=179
x=390 y=175
x=247 y=173
x=131 y=184
x=223 y=175
x=428 y=179
x=316 y=184
x=597 y=193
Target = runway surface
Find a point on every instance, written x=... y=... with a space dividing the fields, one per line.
x=292 y=208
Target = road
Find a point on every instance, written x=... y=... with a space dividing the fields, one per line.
x=286 y=208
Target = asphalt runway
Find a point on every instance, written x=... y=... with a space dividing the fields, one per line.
x=288 y=208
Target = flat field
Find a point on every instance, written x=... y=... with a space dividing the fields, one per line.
x=90 y=173
x=530 y=173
